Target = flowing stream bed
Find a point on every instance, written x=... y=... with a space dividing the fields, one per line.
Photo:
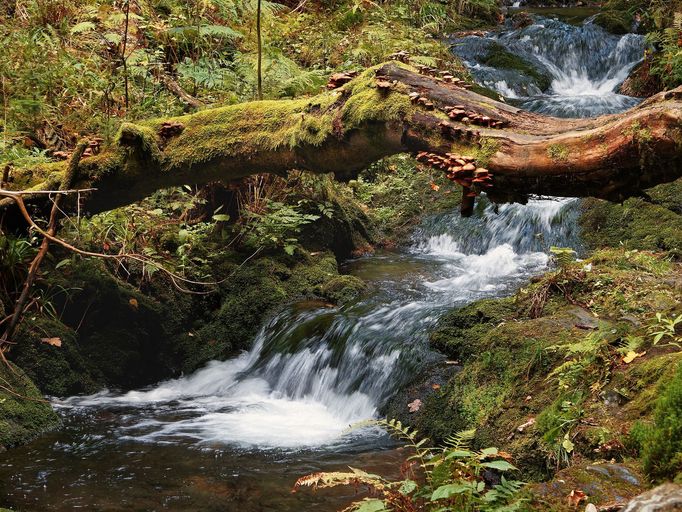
x=236 y=434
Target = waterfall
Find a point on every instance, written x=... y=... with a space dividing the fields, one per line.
x=314 y=369
x=585 y=65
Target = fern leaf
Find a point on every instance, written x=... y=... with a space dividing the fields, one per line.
x=83 y=26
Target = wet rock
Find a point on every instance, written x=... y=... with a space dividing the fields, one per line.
x=603 y=484
x=614 y=398
x=664 y=498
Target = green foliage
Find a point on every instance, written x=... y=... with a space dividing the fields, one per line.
x=668 y=65
x=277 y=226
x=15 y=253
x=563 y=256
x=451 y=477
x=557 y=423
x=667 y=329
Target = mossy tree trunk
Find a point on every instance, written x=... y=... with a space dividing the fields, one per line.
x=386 y=110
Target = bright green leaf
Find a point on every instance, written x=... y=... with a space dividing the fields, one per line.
x=500 y=465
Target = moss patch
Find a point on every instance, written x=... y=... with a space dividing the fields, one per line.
x=637 y=223
x=22 y=417
x=528 y=384
x=343 y=289
x=558 y=153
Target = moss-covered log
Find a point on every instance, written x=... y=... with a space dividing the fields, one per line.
x=386 y=110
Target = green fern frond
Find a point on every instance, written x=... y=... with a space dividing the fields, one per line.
x=460 y=440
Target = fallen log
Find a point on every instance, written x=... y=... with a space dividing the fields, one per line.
x=344 y=130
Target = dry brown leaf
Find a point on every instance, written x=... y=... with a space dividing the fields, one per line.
x=55 y=342
x=576 y=497
x=415 y=405
x=435 y=187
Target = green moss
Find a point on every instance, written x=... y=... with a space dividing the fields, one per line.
x=123 y=334
x=366 y=103
x=58 y=371
x=668 y=195
x=346 y=231
x=459 y=331
x=250 y=294
x=343 y=289
x=499 y=57
x=558 y=152
x=635 y=224
x=249 y=128
x=662 y=450
x=23 y=412
x=141 y=137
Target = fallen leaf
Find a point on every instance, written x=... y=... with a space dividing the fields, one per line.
x=576 y=497
x=435 y=187
x=567 y=444
x=55 y=342
x=435 y=386
x=415 y=405
x=505 y=455
x=632 y=355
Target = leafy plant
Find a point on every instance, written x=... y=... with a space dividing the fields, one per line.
x=667 y=329
x=434 y=479
x=277 y=226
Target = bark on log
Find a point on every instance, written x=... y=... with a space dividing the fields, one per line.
x=344 y=130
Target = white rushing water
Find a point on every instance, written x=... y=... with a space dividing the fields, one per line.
x=585 y=66
x=315 y=370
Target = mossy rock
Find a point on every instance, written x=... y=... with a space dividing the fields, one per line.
x=343 y=289
x=602 y=483
x=58 y=370
x=499 y=57
x=458 y=332
x=346 y=231
x=252 y=293
x=23 y=413
x=122 y=332
x=635 y=224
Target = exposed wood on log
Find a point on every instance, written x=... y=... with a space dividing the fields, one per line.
x=610 y=157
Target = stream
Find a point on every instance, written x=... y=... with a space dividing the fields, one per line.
x=236 y=434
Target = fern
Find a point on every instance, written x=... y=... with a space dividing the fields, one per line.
x=461 y=440
x=335 y=479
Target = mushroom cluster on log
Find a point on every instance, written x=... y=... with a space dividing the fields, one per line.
x=444 y=76
x=401 y=56
x=338 y=79
x=461 y=169
x=171 y=129
x=384 y=83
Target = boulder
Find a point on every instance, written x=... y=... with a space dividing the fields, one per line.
x=664 y=498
